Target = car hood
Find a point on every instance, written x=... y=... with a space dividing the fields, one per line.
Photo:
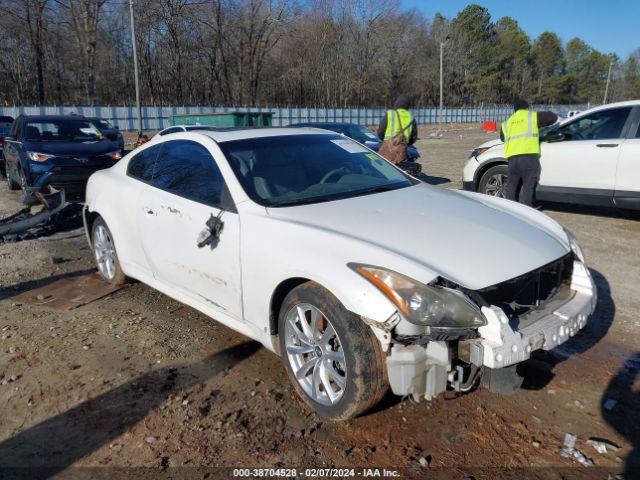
x=491 y=143
x=98 y=147
x=457 y=235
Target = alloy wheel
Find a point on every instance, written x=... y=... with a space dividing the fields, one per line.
x=315 y=354
x=496 y=185
x=105 y=252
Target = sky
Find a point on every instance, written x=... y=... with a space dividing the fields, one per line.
x=609 y=26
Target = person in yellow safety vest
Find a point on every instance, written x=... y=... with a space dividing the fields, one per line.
x=520 y=134
x=390 y=123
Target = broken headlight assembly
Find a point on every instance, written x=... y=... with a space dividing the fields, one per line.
x=420 y=304
x=575 y=247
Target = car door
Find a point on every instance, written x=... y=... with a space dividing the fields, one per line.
x=187 y=190
x=627 y=193
x=582 y=167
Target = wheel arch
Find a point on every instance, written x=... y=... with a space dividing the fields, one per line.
x=277 y=299
x=486 y=166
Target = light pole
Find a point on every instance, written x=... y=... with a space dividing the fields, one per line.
x=135 y=69
x=606 y=89
x=441 y=78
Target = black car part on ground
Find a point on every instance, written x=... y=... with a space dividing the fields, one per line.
x=411 y=167
x=54 y=217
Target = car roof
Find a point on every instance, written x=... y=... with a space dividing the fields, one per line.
x=44 y=118
x=324 y=124
x=220 y=135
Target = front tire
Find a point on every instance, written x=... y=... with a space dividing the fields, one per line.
x=333 y=359
x=494 y=182
x=104 y=251
x=11 y=184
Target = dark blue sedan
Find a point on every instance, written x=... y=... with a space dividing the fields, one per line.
x=60 y=151
x=367 y=138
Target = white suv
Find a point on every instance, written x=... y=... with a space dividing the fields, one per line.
x=590 y=158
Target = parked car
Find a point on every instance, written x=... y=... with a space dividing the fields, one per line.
x=590 y=158
x=358 y=275
x=112 y=132
x=366 y=137
x=179 y=129
x=57 y=150
x=5 y=128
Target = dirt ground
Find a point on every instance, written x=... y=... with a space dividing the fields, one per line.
x=136 y=379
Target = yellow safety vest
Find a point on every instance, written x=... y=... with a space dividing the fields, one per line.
x=521 y=134
x=394 y=119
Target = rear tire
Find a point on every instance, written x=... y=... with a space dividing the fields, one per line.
x=104 y=252
x=334 y=360
x=494 y=182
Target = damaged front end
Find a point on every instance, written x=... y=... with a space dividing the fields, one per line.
x=504 y=324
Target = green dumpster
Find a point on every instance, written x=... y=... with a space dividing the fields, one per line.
x=225 y=120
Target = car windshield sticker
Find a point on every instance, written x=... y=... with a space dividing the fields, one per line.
x=350 y=146
x=372 y=156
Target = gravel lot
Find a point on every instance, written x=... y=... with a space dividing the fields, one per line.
x=136 y=379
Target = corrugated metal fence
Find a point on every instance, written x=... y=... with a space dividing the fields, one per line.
x=155 y=118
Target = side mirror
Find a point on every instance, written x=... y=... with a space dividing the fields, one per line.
x=556 y=136
x=116 y=127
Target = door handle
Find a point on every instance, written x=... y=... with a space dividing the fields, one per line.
x=148 y=211
x=607 y=145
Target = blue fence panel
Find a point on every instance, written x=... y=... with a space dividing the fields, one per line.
x=157 y=117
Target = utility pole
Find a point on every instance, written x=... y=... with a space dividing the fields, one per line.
x=606 y=90
x=135 y=69
x=441 y=80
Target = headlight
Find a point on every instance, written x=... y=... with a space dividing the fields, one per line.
x=478 y=151
x=39 y=157
x=423 y=304
x=575 y=248
x=115 y=155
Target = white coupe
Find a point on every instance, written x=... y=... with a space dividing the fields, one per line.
x=591 y=158
x=360 y=277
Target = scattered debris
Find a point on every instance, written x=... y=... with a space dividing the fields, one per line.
x=578 y=403
x=24 y=225
x=536 y=444
x=610 y=404
x=601 y=445
x=569 y=450
x=150 y=439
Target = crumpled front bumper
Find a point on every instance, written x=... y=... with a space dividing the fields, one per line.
x=425 y=371
x=502 y=344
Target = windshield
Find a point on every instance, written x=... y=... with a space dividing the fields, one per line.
x=298 y=169
x=104 y=124
x=5 y=128
x=63 y=130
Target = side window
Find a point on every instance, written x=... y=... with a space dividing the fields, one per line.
x=601 y=125
x=141 y=166
x=187 y=169
x=638 y=131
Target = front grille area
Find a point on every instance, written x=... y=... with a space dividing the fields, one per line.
x=527 y=292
